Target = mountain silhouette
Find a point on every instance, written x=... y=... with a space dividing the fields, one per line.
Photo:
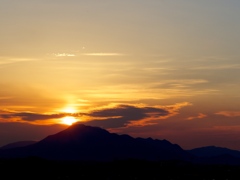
x=213 y=151
x=17 y=144
x=87 y=143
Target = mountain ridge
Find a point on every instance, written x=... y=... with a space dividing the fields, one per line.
x=214 y=151
x=17 y=144
x=81 y=142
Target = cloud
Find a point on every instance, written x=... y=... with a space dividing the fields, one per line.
x=86 y=54
x=29 y=116
x=179 y=84
x=8 y=60
x=199 y=116
x=103 y=54
x=229 y=113
x=125 y=115
x=218 y=67
x=64 y=55
x=111 y=116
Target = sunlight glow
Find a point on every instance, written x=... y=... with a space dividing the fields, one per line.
x=69 y=120
x=70 y=110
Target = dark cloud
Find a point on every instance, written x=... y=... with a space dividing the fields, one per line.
x=27 y=116
x=122 y=115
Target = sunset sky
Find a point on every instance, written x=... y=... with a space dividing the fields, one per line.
x=166 y=69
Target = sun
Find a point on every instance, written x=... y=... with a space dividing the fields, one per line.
x=69 y=120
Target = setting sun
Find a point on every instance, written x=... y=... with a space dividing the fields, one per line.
x=69 y=120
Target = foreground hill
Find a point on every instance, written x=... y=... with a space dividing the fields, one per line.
x=80 y=142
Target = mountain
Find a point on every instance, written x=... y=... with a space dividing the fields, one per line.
x=81 y=142
x=18 y=144
x=213 y=151
x=215 y=155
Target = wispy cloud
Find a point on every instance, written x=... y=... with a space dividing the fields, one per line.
x=86 y=54
x=179 y=82
x=218 y=67
x=103 y=54
x=183 y=87
x=5 y=97
x=199 y=116
x=64 y=55
x=29 y=116
x=126 y=115
x=8 y=60
x=229 y=113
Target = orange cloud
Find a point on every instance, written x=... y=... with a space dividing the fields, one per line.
x=199 y=116
x=126 y=115
x=103 y=54
x=31 y=117
x=109 y=116
x=229 y=113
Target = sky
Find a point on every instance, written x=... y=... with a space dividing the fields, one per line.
x=166 y=69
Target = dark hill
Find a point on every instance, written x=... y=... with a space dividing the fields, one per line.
x=80 y=142
x=18 y=144
x=213 y=151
